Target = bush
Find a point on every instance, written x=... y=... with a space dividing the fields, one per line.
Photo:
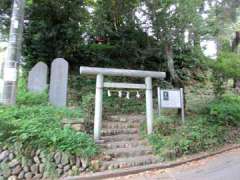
x=87 y=105
x=225 y=110
x=228 y=64
x=34 y=124
x=39 y=127
x=226 y=67
x=165 y=126
x=195 y=136
x=28 y=98
x=124 y=105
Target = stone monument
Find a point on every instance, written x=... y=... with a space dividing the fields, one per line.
x=37 y=78
x=58 y=82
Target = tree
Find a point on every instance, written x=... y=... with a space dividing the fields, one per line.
x=226 y=24
x=109 y=33
x=55 y=29
x=115 y=22
x=169 y=22
x=5 y=11
x=226 y=67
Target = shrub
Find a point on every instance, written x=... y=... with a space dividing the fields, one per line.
x=165 y=126
x=28 y=98
x=123 y=105
x=87 y=105
x=195 y=136
x=225 y=110
x=24 y=97
x=39 y=127
x=227 y=66
x=34 y=124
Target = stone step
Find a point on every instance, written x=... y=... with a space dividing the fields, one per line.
x=128 y=152
x=129 y=162
x=108 y=132
x=123 y=144
x=121 y=125
x=127 y=118
x=121 y=137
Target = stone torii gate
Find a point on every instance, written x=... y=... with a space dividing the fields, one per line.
x=100 y=84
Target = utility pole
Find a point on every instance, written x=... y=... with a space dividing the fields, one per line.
x=13 y=55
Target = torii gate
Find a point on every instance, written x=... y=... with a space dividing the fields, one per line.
x=100 y=84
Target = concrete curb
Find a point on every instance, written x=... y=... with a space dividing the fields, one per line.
x=135 y=170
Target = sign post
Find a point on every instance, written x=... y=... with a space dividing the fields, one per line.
x=171 y=99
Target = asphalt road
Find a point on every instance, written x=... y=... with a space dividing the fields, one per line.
x=224 y=166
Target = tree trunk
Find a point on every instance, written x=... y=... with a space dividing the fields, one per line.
x=235 y=44
x=177 y=82
x=170 y=63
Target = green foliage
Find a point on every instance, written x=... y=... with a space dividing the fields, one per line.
x=227 y=66
x=218 y=81
x=54 y=29
x=88 y=102
x=33 y=124
x=225 y=110
x=198 y=97
x=195 y=136
x=125 y=42
x=71 y=29
x=4 y=20
x=123 y=105
x=165 y=126
x=84 y=91
x=206 y=129
x=40 y=127
x=28 y=98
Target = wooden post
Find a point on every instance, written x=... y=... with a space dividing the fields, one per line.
x=159 y=100
x=149 y=104
x=98 y=107
x=182 y=105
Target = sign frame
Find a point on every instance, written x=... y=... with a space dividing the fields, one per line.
x=159 y=92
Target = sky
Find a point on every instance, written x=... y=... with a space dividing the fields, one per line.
x=209 y=48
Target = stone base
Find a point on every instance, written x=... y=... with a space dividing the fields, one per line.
x=11 y=167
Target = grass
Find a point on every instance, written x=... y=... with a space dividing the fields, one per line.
x=210 y=123
x=172 y=140
x=34 y=124
x=198 y=97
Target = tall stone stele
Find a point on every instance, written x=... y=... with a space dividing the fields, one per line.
x=37 y=78
x=58 y=83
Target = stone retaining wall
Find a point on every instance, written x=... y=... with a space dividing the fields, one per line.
x=77 y=125
x=38 y=165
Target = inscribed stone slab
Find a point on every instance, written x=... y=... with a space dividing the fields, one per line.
x=37 y=78
x=58 y=82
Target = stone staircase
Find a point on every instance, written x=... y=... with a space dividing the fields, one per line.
x=122 y=145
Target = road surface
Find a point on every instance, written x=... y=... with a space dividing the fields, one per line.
x=225 y=166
